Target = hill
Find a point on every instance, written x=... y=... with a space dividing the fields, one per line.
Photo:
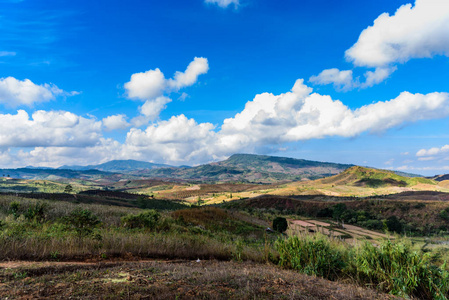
x=54 y=174
x=255 y=169
x=361 y=176
x=119 y=166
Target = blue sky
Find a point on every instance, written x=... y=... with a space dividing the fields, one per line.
x=190 y=82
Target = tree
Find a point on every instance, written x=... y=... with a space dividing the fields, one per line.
x=68 y=189
x=83 y=221
x=280 y=224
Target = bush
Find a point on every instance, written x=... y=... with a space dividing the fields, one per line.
x=393 y=224
x=83 y=221
x=36 y=212
x=312 y=255
x=147 y=219
x=400 y=271
x=280 y=224
x=14 y=208
x=338 y=210
x=444 y=214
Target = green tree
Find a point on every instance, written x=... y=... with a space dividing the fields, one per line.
x=280 y=224
x=83 y=221
x=68 y=189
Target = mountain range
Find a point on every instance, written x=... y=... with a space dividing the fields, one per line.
x=249 y=168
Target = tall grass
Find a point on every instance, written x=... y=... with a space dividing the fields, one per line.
x=312 y=255
x=395 y=268
x=391 y=267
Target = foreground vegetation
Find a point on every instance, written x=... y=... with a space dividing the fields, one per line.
x=54 y=230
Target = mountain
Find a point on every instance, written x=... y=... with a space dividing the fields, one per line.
x=254 y=168
x=53 y=174
x=119 y=166
x=249 y=168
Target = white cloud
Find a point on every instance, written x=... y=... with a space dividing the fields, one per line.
x=342 y=80
x=197 y=67
x=14 y=92
x=299 y=115
x=152 y=84
x=115 y=122
x=178 y=139
x=376 y=77
x=419 y=31
x=146 y=85
x=152 y=108
x=266 y=121
x=224 y=3
x=7 y=53
x=412 y=32
x=47 y=128
x=103 y=151
x=433 y=151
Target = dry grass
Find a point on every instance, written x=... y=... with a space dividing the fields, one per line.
x=172 y=280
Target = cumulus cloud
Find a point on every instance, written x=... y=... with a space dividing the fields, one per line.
x=266 y=121
x=299 y=115
x=152 y=84
x=115 y=122
x=175 y=140
x=146 y=85
x=224 y=3
x=14 y=92
x=47 y=128
x=414 y=31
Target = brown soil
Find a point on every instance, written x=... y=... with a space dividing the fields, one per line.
x=167 y=280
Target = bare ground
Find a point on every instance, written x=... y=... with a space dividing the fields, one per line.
x=167 y=280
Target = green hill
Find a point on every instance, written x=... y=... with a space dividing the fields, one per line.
x=361 y=176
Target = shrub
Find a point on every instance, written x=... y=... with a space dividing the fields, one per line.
x=393 y=224
x=14 y=208
x=400 y=271
x=312 y=255
x=444 y=214
x=338 y=210
x=83 y=221
x=147 y=219
x=280 y=224
x=36 y=212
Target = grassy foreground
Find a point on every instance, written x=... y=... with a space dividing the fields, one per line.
x=49 y=230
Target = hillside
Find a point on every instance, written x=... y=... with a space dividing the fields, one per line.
x=255 y=169
x=361 y=176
